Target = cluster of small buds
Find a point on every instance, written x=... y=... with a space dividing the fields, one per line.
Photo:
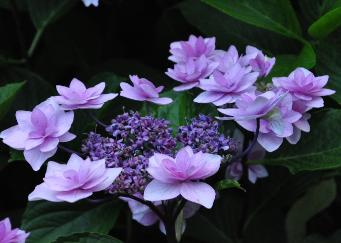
x=202 y=134
x=133 y=140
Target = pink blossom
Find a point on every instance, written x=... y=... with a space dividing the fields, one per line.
x=195 y=47
x=222 y=88
x=143 y=90
x=179 y=176
x=303 y=85
x=77 y=96
x=258 y=61
x=226 y=59
x=275 y=112
x=190 y=72
x=9 y=235
x=39 y=132
x=75 y=180
x=87 y=3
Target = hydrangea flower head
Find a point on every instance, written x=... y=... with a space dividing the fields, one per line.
x=202 y=134
x=77 y=96
x=87 y=3
x=274 y=109
x=222 y=88
x=75 y=180
x=190 y=72
x=303 y=85
x=9 y=235
x=181 y=175
x=194 y=47
x=39 y=132
x=143 y=90
x=133 y=139
x=258 y=61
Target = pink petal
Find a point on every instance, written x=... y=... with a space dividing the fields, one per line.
x=36 y=158
x=211 y=165
x=208 y=97
x=110 y=175
x=269 y=141
x=42 y=192
x=224 y=100
x=316 y=102
x=49 y=144
x=198 y=192
x=77 y=86
x=130 y=92
x=67 y=137
x=24 y=119
x=295 y=137
x=157 y=170
x=14 y=137
x=186 y=86
x=73 y=196
x=157 y=191
x=161 y=101
x=324 y=92
x=63 y=124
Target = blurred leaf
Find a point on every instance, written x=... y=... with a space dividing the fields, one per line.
x=87 y=238
x=16 y=155
x=314 y=201
x=228 y=30
x=285 y=64
x=7 y=95
x=221 y=223
x=318 y=150
x=44 y=12
x=329 y=63
x=177 y=112
x=263 y=14
x=227 y=183
x=326 y=24
x=47 y=221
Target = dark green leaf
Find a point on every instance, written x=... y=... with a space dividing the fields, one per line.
x=7 y=95
x=226 y=184
x=87 y=238
x=48 y=221
x=318 y=150
x=315 y=200
x=16 y=155
x=45 y=12
x=326 y=24
x=329 y=63
x=177 y=112
x=263 y=14
x=228 y=30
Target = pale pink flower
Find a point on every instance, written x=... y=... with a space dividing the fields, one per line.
x=9 y=235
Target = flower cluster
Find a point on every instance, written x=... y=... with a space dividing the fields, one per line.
x=133 y=139
x=202 y=134
x=281 y=111
x=9 y=235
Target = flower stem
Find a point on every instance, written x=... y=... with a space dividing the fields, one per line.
x=68 y=150
x=96 y=120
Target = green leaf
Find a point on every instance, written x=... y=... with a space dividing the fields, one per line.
x=314 y=201
x=285 y=64
x=326 y=24
x=48 y=221
x=7 y=95
x=45 y=12
x=227 y=183
x=228 y=30
x=318 y=150
x=87 y=238
x=177 y=112
x=329 y=63
x=16 y=155
x=277 y=16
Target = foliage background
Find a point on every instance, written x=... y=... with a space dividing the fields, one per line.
x=44 y=43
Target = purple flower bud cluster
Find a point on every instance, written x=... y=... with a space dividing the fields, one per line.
x=202 y=134
x=133 y=140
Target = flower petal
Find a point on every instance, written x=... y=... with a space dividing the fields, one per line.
x=157 y=191
x=198 y=192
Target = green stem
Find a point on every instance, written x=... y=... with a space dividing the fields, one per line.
x=35 y=42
